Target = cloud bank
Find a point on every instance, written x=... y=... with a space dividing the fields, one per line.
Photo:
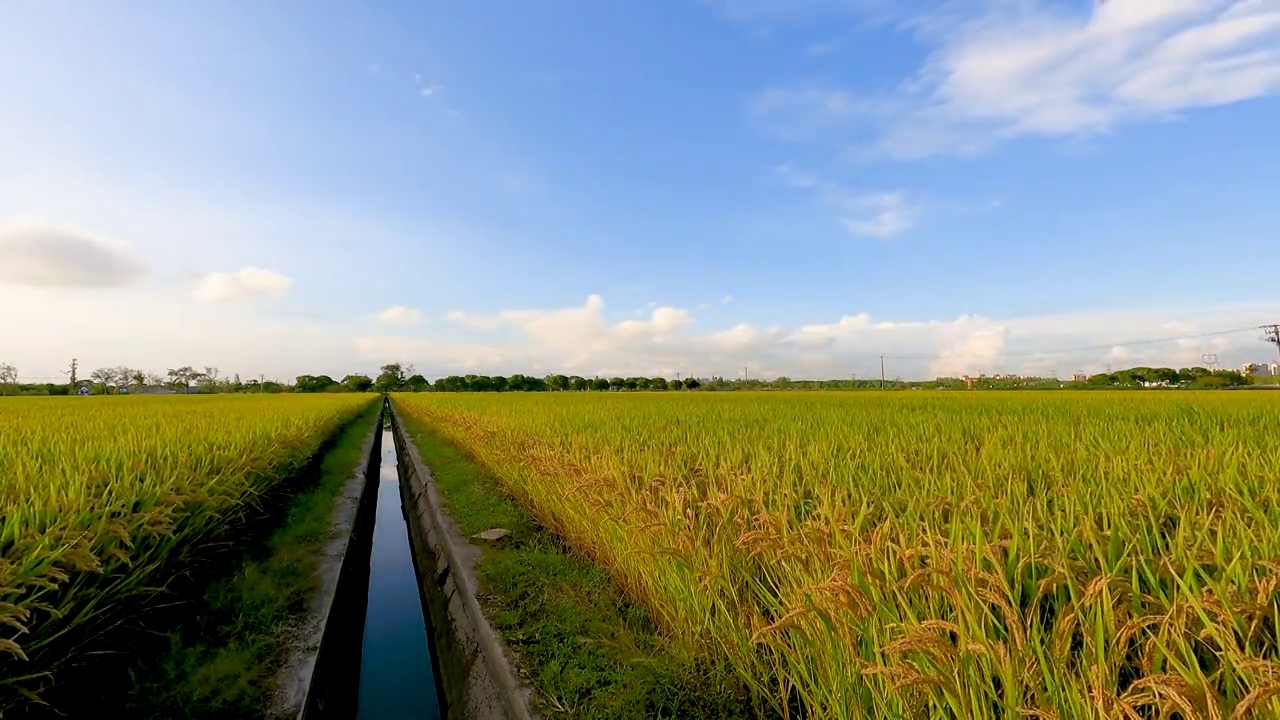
x=669 y=340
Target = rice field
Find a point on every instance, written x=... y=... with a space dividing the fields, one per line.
x=103 y=499
x=1064 y=555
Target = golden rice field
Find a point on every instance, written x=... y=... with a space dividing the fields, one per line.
x=1064 y=555
x=102 y=498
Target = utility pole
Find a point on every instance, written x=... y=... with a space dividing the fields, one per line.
x=882 y=372
x=1273 y=335
x=745 y=377
x=261 y=380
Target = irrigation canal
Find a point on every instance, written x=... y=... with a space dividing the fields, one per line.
x=397 y=676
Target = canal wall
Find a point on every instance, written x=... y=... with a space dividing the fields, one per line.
x=317 y=679
x=477 y=679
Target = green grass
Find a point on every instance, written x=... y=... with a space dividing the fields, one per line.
x=588 y=652
x=222 y=661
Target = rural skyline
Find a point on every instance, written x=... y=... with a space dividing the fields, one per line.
x=647 y=189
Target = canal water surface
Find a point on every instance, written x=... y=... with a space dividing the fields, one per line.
x=396 y=677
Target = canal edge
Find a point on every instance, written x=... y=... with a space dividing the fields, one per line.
x=323 y=637
x=476 y=674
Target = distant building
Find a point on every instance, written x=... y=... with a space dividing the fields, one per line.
x=1259 y=369
x=1079 y=377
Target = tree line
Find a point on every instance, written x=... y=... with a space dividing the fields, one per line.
x=1193 y=377
x=398 y=377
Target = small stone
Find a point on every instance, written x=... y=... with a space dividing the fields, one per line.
x=492 y=534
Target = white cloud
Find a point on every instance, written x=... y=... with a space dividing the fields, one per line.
x=248 y=283
x=400 y=315
x=825 y=332
x=669 y=340
x=727 y=300
x=44 y=255
x=1033 y=68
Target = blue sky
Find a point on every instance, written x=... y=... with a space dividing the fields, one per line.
x=634 y=187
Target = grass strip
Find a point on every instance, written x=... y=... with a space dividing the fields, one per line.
x=585 y=649
x=222 y=661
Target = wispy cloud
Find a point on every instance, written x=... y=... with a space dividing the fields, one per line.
x=821 y=48
x=1032 y=68
x=425 y=88
x=880 y=214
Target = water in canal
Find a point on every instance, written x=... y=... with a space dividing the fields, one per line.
x=396 y=679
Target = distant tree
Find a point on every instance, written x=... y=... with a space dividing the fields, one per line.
x=312 y=383
x=210 y=379
x=392 y=377
x=657 y=383
x=123 y=377
x=1191 y=374
x=1232 y=378
x=182 y=377
x=417 y=383
x=137 y=380
x=675 y=385
x=73 y=382
x=557 y=382
x=357 y=383
x=691 y=383
x=103 y=379
x=8 y=376
x=452 y=383
x=599 y=384
x=617 y=383
x=579 y=383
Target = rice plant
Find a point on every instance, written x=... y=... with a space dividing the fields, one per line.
x=1066 y=555
x=103 y=499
